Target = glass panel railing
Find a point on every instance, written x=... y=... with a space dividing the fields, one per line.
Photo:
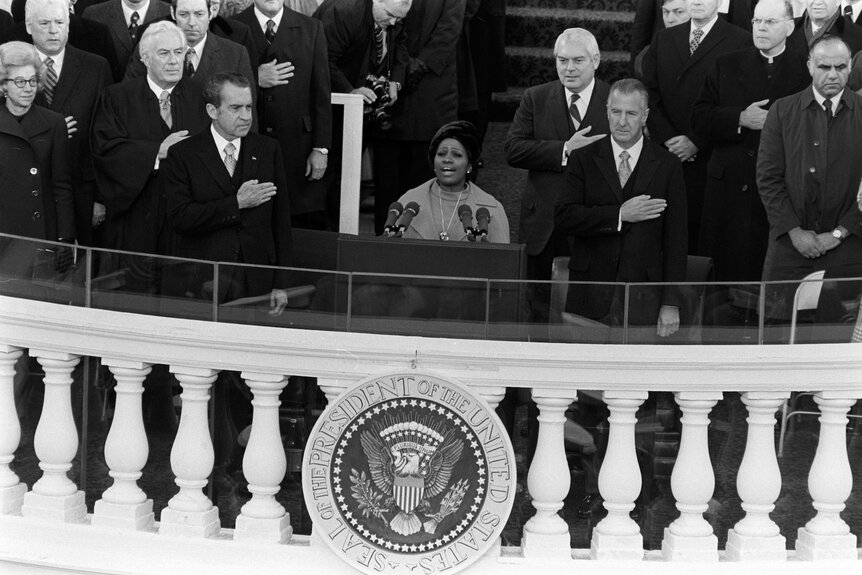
x=41 y=270
x=283 y=297
x=153 y=285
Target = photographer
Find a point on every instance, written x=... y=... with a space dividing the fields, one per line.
x=368 y=56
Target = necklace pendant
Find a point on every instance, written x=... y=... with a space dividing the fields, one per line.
x=444 y=236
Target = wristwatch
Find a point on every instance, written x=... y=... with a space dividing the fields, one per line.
x=323 y=151
x=839 y=233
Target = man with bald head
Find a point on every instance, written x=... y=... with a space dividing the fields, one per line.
x=737 y=94
x=134 y=125
x=73 y=80
x=675 y=68
x=808 y=174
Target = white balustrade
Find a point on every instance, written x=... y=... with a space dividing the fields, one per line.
x=756 y=537
x=124 y=505
x=264 y=465
x=54 y=495
x=12 y=490
x=332 y=388
x=546 y=534
x=690 y=536
x=190 y=512
x=492 y=394
x=618 y=536
x=826 y=536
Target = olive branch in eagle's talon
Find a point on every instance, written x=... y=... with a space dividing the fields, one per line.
x=370 y=502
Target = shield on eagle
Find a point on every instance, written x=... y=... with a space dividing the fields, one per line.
x=408 y=492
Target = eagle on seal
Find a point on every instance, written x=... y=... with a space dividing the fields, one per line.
x=413 y=463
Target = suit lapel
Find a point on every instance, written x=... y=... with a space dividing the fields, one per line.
x=607 y=166
x=34 y=123
x=209 y=58
x=559 y=112
x=118 y=23
x=596 y=108
x=713 y=39
x=249 y=155
x=210 y=157
x=644 y=170
x=9 y=125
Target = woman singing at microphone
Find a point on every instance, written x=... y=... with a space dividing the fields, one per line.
x=452 y=206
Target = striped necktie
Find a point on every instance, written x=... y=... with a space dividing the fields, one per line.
x=229 y=158
x=50 y=80
x=573 y=110
x=270 y=31
x=379 y=44
x=189 y=67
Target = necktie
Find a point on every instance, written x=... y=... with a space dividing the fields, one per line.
x=573 y=110
x=848 y=12
x=50 y=80
x=189 y=67
x=827 y=105
x=379 y=44
x=133 y=26
x=165 y=107
x=229 y=159
x=696 y=37
x=270 y=31
x=625 y=170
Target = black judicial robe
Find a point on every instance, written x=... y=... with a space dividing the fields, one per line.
x=127 y=132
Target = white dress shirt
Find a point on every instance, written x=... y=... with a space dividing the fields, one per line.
x=141 y=10
x=582 y=103
x=58 y=60
x=263 y=18
x=634 y=155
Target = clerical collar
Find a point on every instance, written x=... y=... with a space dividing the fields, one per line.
x=771 y=59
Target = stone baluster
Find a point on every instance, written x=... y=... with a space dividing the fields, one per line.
x=12 y=489
x=830 y=481
x=124 y=505
x=756 y=537
x=55 y=496
x=264 y=464
x=690 y=536
x=190 y=512
x=492 y=394
x=546 y=534
x=332 y=388
x=618 y=536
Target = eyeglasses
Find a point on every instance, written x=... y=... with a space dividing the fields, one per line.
x=770 y=22
x=21 y=82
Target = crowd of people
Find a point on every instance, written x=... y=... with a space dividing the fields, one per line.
x=206 y=131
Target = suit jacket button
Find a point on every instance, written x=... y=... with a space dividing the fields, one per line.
x=750 y=153
x=35 y=193
x=36 y=215
x=34 y=171
x=812 y=169
x=745 y=187
x=816 y=142
x=268 y=130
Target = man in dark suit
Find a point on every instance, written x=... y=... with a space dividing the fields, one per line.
x=207 y=53
x=852 y=11
x=73 y=81
x=134 y=125
x=222 y=186
x=675 y=67
x=824 y=17
x=808 y=174
x=731 y=110
x=624 y=206
x=233 y=30
x=125 y=18
x=428 y=101
x=293 y=100
x=86 y=35
x=552 y=121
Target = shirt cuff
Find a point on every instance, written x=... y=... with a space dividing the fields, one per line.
x=620 y=221
x=565 y=156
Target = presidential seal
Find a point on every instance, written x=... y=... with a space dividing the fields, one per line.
x=409 y=474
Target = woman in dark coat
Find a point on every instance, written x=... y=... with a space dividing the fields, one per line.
x=35 y=183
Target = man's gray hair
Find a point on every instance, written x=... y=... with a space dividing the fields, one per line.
x=577 y=36
x=34 y=6
x=156 y=28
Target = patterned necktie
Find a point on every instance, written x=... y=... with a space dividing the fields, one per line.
x=165 y=108
x=189 y=67
x=696 y=37
x=50 y=80
x=625 y=170
x=573 y=110
x=229 y=159
x=379 y=44
x=270 y=31
x=133 y=27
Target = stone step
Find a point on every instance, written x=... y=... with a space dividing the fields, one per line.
x=610 y=5
x=539 y=27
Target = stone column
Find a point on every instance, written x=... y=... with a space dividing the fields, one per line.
x=12 y=489
x=124 y=505
x=546 y=534
x=756 y=537
x=617 y=536
x=55 y=496
x=492 y=394
x=190 y=512
x=264 y=464
x=830 y=481
x=690 y=536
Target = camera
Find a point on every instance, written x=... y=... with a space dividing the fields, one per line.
x=377 y=113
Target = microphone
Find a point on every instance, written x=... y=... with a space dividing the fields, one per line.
x=395 y=209
x=483 y=218
x=465 y=214
x=403 y=222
